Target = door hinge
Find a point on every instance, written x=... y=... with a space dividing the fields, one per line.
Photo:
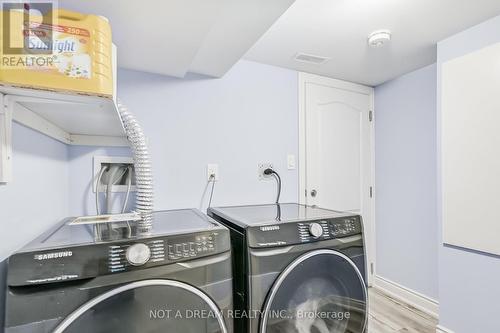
x=371 y=192
x=372 y=269
x=370 y=115
x=305 y=193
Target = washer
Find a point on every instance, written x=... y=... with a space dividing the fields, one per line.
x=177 y=279
x=297 y=268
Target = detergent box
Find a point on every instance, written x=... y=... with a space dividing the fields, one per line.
x=62 y=51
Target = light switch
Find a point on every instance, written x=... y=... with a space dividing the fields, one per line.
x=291 y=163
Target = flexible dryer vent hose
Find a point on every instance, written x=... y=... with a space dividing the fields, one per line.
x=142 y=165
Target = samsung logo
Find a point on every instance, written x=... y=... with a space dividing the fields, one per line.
x=270 y=228
x=53 y=255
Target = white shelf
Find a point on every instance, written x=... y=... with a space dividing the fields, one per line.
x=71 y=119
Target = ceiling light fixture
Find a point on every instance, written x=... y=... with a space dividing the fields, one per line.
x=379 y=38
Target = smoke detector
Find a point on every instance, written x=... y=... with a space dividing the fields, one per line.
x=379 y=38
x=310 y=58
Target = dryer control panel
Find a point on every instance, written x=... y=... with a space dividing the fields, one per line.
x=345 y=227
x=289 y=233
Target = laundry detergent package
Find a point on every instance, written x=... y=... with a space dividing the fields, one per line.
x=62 y=51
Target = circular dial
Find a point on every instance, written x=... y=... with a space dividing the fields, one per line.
x=138 y=254
x=316 y=230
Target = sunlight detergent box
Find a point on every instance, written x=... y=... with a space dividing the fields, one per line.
x=60 y=50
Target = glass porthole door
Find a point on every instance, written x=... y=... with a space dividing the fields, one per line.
x=149 y=306
x=320 y=292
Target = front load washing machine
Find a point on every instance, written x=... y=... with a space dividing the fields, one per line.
x=297 y=269
x=177 y=279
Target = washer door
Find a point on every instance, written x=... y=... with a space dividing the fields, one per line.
x=320 y=292
x=147 y=306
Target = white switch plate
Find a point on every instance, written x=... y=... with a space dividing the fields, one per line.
x=291 y=162
x=213 y=169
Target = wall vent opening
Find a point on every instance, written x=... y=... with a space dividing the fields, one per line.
x=310 y=58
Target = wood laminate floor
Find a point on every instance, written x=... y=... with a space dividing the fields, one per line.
x=388 y=315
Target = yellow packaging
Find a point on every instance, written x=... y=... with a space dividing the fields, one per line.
x=77 y=59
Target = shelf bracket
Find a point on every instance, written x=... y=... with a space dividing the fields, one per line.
x=5 y=142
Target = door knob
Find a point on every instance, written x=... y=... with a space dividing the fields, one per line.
x=314 y=193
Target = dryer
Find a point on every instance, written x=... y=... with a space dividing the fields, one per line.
x=177 y=279
x=297 y=269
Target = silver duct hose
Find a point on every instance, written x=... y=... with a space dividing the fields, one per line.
x=142 y=165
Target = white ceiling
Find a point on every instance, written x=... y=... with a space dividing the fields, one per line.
x=239 y=25
x=173 y=37
x=338 y=29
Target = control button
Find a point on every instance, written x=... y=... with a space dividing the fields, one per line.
x=138 y=254
x=155 y=259
x=316 y=230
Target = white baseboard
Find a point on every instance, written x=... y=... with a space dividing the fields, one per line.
x=441 y=329
x=408 y=296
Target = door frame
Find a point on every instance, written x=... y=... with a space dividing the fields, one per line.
x=303 y=79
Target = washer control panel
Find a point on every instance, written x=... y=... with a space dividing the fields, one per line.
x=191 y=247
x=158 y=251
x=122 y=257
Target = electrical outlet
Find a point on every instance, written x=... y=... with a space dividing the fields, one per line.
x=262 y=167
x=212 y=171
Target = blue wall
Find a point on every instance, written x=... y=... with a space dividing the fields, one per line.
x=247 y=117
x=36 y=198
x=405 y=152
x=469 y=287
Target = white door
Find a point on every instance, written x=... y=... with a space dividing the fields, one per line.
x=336 y=149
